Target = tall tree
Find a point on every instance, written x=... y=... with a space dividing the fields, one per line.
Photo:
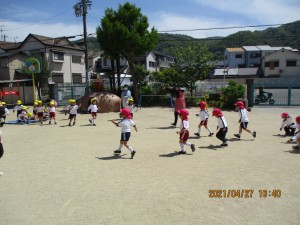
x=192 y=63
x=124 y=33
x=41 y=79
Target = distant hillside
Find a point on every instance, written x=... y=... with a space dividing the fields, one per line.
x=285 y=35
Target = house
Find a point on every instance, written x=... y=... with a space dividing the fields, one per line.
x=234 y=58
x=252 y=56
x=155 y=61
x=282 y=63
x=65 y=59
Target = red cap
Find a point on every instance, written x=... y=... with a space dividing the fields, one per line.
x=285 y=114
x=184 y=113
x=240 y=104
x=126 y=112
x=202 y=105
x=298 y=119
x=217 y=112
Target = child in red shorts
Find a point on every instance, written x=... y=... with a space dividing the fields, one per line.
x=203 y=114
x=184 y=131
x=52 y=114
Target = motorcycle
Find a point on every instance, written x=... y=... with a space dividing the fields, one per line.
x=263 y=98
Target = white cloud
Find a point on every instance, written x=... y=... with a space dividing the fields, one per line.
x=166 y=22
x=21 y=30
x=263 y=11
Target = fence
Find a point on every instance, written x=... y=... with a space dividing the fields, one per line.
x=282 y=94
x=62 y=93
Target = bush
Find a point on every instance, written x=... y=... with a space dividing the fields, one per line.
x=230 y=94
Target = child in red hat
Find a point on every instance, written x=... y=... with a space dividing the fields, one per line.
x=222 y=126
x=297 y=136
x=286 y=124
x=125 y=125
x=184 y=131
x=240 y=107
x=203 y=114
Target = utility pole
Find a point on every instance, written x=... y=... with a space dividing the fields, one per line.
x=81 y=10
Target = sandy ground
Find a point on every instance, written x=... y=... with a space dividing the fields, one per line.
x=60 y=175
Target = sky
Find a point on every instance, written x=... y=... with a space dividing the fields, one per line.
x=56 y=18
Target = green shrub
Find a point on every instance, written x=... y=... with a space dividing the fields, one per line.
x=230 y=94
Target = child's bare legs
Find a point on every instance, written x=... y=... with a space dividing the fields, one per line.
x=245 y=129
x=199 y=130
x=41 y=120
x=182 y=143
x=127 y=146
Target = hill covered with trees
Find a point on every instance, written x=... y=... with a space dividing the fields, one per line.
x=284 y=35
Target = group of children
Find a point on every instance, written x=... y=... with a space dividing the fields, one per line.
x=291 y=129
x=222 y=124
x=39 y=112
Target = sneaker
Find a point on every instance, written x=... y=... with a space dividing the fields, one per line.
x=181 y=152
x=69 y=124
x=94 y=124
x=55 y=123
x=49 y=122
x=254 y=134
x=173 y=124
x=73 y=123
x=211 y=134
x=132 y=154
x=237 y=135
x=224 y=144
x=117 y=151
x=296 y=147
x=193 y=147
x=197 y=134
x=90 y=120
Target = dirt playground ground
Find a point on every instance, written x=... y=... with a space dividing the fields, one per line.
x=60 y=175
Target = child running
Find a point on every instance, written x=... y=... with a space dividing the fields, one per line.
x=73 y=111
x=287 y=124
x=40 y=112
x=222 y=126
x=184 y=131
x=297 y=136
x=125 y=125
x=240 y=107
x=203 y=114
x=52 y=114
x=93 y=109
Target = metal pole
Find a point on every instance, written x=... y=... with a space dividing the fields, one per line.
x=87 y=80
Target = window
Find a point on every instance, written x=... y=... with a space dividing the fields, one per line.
x=255 y=55
x=272 y=64
x=58 y=56
x=4 y=63
x=238 y=56
x=58 y=77
x=105 y=63
x=152 y=64
x=77 y=78
x=76 y=59
x=291 y=63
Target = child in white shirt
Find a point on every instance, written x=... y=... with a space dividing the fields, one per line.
x=125 y=125
x=93 y=109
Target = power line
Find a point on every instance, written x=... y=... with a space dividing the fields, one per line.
x=225 y=28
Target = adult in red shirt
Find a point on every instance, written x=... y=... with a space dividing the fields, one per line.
x=179 y=101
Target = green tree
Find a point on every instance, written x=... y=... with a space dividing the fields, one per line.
x=231 y=94
x=124 y=33
x=41 y=79
x=192 y=64
x=168 y=77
